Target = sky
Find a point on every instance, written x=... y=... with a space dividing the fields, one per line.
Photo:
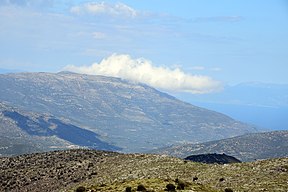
x=194 y=46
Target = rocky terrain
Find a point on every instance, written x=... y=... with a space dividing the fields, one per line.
x=26 y=132
x=129 y=115
x=49 y=171
x=213 y=158
x=109 y=171
x=247 y=147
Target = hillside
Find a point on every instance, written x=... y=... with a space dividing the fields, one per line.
x=108 y=171
x=245 y=148
x=25 y=132
x=132 y=116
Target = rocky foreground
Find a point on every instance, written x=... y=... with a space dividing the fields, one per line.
x=89 y=170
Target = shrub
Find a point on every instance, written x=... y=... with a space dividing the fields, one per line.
x=81 y=189
x=228 y=190
x=221 y=179
x=141 y=188
x=128 y=189
x=181 y=185
x=170 y=187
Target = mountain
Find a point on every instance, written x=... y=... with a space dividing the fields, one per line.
x=89 y=170
x=213 y=158
x=130 y=115
x=245 y=148
x=26 y=132
x=264 y=105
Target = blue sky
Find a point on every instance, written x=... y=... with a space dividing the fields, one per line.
x=185 y=45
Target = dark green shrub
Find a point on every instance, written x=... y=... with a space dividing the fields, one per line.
x=228 y=190
x=181 y=185
x=128 y=189
x=81 y=189
x=141 y=188
x=170 y=187
x=221 y=179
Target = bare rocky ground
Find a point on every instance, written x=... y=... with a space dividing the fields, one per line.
x=49 y=171
x=109 y=171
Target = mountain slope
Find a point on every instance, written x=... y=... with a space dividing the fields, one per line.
x=246 y=148
x=107 y=171
x=25 y=132
x=130 y=115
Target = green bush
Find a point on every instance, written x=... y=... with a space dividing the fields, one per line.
x=228 y=190
x=81 y=189
x=181 y=185
x=128 y=189
x=141 y=188
x=170 y=187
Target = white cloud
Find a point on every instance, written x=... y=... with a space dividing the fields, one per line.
x=198 y=68
x=28 y=3
x=98 y=35
x=202 y=68
x=115 y=10
x=142 y=70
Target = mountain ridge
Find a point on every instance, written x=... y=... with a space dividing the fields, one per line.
x=120 y=111
x=248 y=147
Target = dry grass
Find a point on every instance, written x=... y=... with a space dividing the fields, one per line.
x=155 y=172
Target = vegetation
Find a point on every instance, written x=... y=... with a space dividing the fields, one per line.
x=81 y=189
x=74 y=170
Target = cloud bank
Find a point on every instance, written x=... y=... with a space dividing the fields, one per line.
x=142 y=70
x=102 y=8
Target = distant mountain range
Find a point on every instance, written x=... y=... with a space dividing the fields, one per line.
x=262 y=104
x=120 y=113
x=247 y=147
